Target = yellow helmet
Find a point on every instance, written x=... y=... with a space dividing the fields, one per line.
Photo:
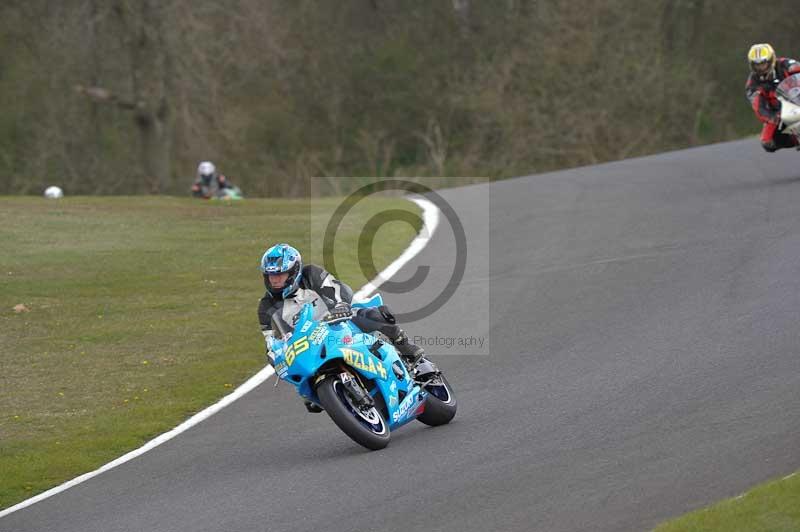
x=762 y=60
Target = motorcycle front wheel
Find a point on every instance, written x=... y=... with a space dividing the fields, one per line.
x=365 y=426
x=440 y=405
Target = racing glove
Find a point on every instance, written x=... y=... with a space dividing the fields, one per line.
x=269 y=339
x=342 y=311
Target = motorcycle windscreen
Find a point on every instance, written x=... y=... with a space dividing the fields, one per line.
x=789 y=89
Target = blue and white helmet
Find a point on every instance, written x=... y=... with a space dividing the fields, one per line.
x=282 y=258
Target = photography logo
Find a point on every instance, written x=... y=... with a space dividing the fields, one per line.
x=370 y=230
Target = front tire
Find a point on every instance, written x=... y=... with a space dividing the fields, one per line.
x=440 y=405
x=366 y=427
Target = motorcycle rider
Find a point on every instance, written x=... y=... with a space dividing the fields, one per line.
x=290 y=285
x=766 y=72
x=208 y=183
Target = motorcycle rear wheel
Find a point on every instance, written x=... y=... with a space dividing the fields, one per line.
x=366 y=427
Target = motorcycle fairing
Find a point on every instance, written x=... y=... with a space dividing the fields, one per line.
x=303 y=358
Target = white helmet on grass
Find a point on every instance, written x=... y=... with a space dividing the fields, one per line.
x=53 y=192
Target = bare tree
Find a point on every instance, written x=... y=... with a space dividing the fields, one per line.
x=275 y=89
x=462 y=11
x=144 y=28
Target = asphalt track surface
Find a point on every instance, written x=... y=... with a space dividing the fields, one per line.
x=642 y=320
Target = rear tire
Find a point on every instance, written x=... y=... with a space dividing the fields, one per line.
x=367 y=428
x=440 y=405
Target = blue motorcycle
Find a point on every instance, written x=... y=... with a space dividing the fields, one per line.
x=358 y=379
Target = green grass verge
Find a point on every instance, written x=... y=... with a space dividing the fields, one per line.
x=141 y=312
x=773 y=507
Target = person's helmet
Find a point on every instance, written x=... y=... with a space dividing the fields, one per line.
x=282 y=258
x=762 y=61
x=206 y=171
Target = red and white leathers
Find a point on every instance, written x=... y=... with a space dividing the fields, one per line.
x=763 y=98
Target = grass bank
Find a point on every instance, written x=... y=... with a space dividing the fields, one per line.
x=136 y=313
x=770 y=507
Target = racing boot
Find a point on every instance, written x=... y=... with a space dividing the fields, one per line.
x=411 y=353
x=311 y=407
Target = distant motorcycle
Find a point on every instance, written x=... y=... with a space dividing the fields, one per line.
x=359 y=380
x=231 y=192
x=788 y=92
